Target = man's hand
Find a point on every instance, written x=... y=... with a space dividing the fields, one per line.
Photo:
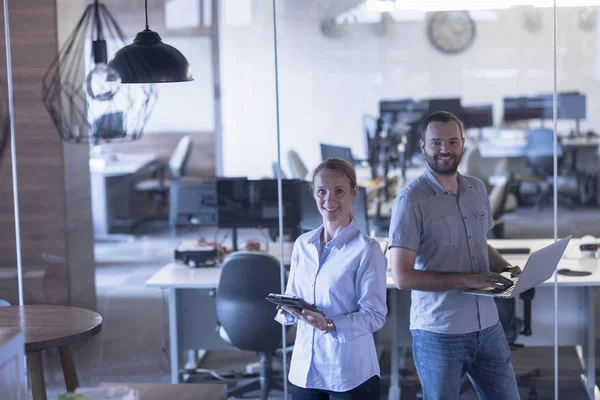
x=515 y=270
x=487 y=279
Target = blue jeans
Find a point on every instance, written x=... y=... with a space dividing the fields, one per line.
x=442 y=360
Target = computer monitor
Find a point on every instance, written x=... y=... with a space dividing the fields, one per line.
x=330 y=151
x=312 y=219
x=451 y=105
x=389 y=109
x=244 y=203
x=526 y=108
x=571 y=106
x=109 y=126
x=478 y=116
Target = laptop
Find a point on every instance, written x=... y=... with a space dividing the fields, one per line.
x=539 y=267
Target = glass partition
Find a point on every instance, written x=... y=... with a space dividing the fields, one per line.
x=227 y=126
x=576 y=185
x=357 y=78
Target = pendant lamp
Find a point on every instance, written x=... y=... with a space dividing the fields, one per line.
x=149 y=60
x=84 y=96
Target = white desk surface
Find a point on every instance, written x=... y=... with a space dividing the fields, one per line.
x=180 y=276
x=580 y=141
x=121 y=163
x=572 y=259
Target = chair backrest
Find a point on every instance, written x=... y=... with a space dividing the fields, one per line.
x=539 y=151
x=331 y=151
x=179 y=158
x=498 y=196
x=247 y=318
x=297 y=167
x=277 y=171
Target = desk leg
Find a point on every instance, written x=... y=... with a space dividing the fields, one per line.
x=173 y=336
x=394 y=391
x=589 y=347
x=35 y=367
x=68 y=368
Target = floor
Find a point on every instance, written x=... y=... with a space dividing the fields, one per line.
x=131 y=346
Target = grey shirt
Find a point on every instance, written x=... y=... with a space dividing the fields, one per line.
x=449 y=234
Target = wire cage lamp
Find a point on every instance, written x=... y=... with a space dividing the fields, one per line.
x=84 y=96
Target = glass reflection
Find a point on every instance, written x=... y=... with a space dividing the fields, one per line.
x=357 y=79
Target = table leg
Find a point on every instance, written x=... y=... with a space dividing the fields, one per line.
x=394 y=390
x=35 y=367
x=589 y=346
x=68 y=368
x=173 y=337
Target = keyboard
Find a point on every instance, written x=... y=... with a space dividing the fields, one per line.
x=506 y=291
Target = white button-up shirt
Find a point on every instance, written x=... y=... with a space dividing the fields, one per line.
x=345 y=278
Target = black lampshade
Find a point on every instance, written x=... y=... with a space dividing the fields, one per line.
x=149 y=60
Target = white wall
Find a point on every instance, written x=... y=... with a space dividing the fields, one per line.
x=327 y=84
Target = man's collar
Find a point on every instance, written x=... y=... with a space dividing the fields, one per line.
x=463 y=183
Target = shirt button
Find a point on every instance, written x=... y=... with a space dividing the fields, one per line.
x=464 y=217
x=469 y=237
x=473 y=258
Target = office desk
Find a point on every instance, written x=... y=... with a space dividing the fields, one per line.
x=112 y=181
x=192 y=313
x=580 y=141
x=192 y=306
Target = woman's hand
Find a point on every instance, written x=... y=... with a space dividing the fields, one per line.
x=312 y=318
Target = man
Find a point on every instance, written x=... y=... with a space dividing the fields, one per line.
x=438 y=248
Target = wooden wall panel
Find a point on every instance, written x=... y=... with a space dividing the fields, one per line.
x=51 y=240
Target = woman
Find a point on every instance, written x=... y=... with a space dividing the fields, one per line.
x=343 y=272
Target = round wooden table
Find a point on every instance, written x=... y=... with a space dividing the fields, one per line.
x=49 y=327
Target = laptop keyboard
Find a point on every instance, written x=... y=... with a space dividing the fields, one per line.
x=506 y=291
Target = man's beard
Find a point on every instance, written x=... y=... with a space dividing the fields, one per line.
x=440 y=167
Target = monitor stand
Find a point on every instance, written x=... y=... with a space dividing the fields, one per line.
x=234 y=239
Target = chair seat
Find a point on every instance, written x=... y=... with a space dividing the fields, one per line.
x=152 y=185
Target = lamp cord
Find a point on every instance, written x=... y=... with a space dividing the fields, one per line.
x=146 y=8
x=97 y=17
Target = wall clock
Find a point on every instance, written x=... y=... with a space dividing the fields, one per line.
x=451 y=32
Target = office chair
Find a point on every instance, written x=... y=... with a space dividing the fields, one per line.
x=297 y=168
x=539 y=154
x=498 y=197
x=276 y=171
x=513 y=327
x=474 y=164
x=158 y=187
x=245 y=318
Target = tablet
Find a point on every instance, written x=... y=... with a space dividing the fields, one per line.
x=292 y=301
